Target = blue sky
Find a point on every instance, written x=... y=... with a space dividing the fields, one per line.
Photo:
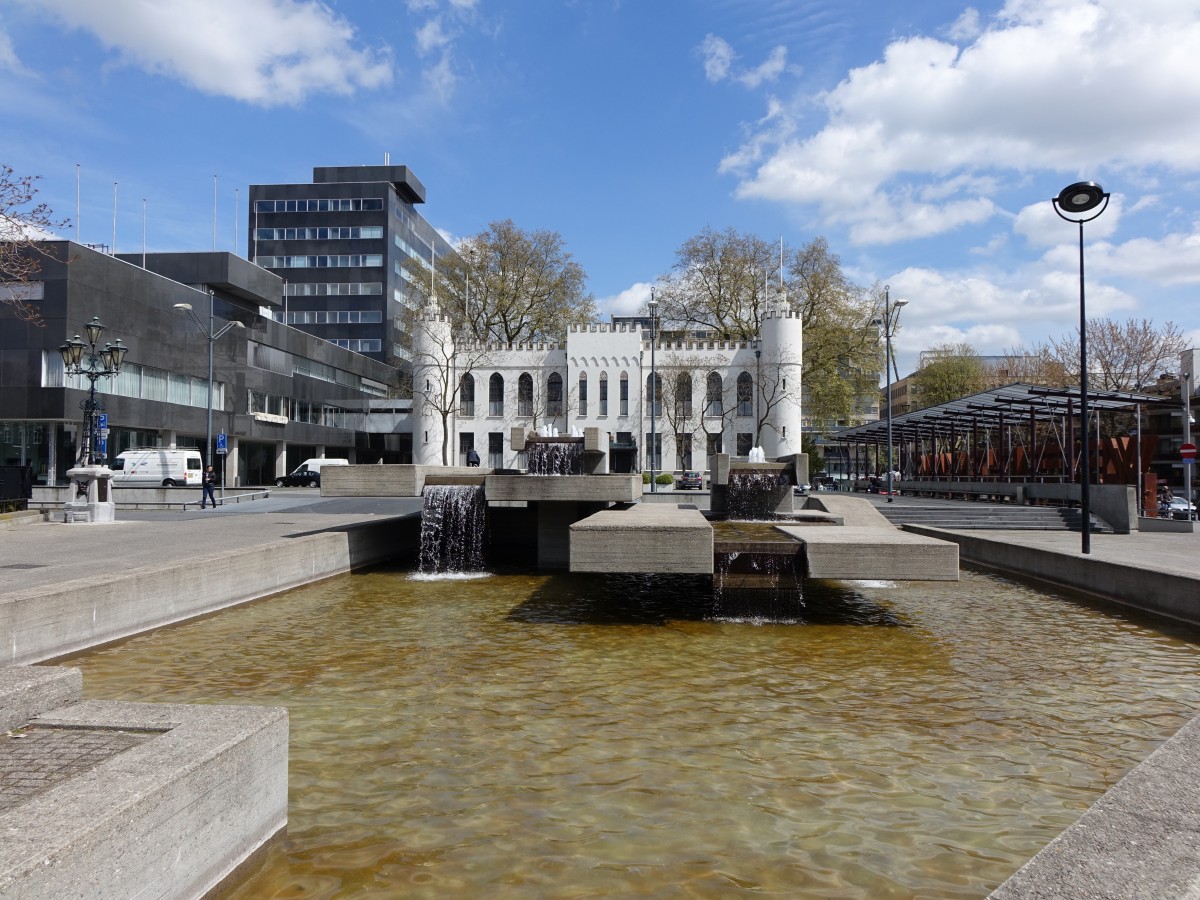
x=924 y=143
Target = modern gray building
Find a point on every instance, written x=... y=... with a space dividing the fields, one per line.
x=339 y=245
x=279 y=394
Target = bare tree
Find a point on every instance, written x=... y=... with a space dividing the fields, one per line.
x=773 y=368
x=23 y=226
x=1121 y=357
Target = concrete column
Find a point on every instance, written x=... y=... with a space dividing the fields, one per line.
x=168 y=436
x=280 y=458
x=231 y=461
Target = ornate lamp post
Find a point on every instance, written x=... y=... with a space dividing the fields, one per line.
x=1071 y=204
x=84 y=359
x=653 y=304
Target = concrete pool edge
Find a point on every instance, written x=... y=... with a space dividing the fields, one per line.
x=173 y=816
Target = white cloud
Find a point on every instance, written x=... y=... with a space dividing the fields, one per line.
x=719 y=58
x=626 y=303
x=8 y=56
x=1063 y=85
x=431 y=36
x=966 y=27
x=266 y=52
x=1041 y=226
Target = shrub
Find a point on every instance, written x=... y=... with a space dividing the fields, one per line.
x=645 y=478
x=664 y=478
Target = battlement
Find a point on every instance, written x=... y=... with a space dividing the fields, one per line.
x=603 y=328
x=698 y=346
x=781 y=314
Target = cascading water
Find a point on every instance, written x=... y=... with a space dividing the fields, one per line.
x=754 y=495
x=759 y=586
x=453 y=528
x=554 y=458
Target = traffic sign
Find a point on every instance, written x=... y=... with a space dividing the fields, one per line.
x=1188 y=451
x=102 y=421
x=222 y=448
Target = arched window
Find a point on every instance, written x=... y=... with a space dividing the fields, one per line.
x=654 y=395
x=554 y=397
x=683 y=396
x=713 y=403
x=496 y=395
x=624 y=394
x=745 y=395
x=583 y=393
x=604 y=393
x=466 y=396
x=525 y=396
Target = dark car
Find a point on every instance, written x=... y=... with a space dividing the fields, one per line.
x=689 y=480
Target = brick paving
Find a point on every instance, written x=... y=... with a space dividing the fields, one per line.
x=36 y=758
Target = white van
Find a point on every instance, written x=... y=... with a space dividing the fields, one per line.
x=308 y=473
x=158 y=466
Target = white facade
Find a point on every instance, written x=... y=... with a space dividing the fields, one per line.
x=600 y=378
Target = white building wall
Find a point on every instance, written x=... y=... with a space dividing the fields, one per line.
x=604 y=352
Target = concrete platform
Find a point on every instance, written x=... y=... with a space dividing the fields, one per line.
x=643 y=538
x=564 y=488
x=117 y=800
x=872 y=553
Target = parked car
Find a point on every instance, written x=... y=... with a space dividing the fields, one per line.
x=1178 y=508
x=157 y=466
x=308 y=473
x=689 y=480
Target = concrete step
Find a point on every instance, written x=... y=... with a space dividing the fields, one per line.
x=1007 y=518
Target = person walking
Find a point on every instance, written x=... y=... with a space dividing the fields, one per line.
x=208 y=484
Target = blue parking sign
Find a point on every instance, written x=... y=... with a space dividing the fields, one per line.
x=221 y=446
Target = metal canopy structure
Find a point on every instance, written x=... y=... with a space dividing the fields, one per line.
x=997 y=407
x=1018 y=433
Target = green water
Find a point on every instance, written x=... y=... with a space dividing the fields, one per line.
x=565 y=737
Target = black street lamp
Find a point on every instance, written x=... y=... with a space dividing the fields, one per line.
x=890 y=308
x=653 y=304
x=1075 y=200
x=84 y=359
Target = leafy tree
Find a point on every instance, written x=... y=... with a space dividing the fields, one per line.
x=954 y=371
x=816 y=459
x=508 y=285
x=22 y=227
x=719 y=284
x=723 y=282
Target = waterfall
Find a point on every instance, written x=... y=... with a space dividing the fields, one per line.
x=453 y=528
x=754 y=495
x=554 y=458
x=759 y=586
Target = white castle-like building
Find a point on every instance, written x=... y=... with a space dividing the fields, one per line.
x=710 y=396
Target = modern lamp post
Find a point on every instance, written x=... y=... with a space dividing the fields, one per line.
x=889 y=313
x=1071 y=204
x=653 y=304
x=84 y=359
x=211 y=336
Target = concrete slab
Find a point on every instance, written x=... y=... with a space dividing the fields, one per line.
x=874 y=553
x=643 y=538
x=564 y=488
x=172 y=815
x=28 y=691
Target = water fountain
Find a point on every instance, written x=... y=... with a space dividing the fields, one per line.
x=554 y=455
x=453 y=528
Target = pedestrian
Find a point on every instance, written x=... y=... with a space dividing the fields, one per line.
x=472 y=458
x=208 y=484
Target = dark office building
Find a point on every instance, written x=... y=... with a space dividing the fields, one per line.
x=339 y=244
x=281 y=396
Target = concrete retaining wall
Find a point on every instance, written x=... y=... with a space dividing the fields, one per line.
x=47 y=622
x=384 y=481
x=1161 y=593
x=171 y=817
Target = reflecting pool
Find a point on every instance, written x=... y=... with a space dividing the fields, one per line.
x=523 y=735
